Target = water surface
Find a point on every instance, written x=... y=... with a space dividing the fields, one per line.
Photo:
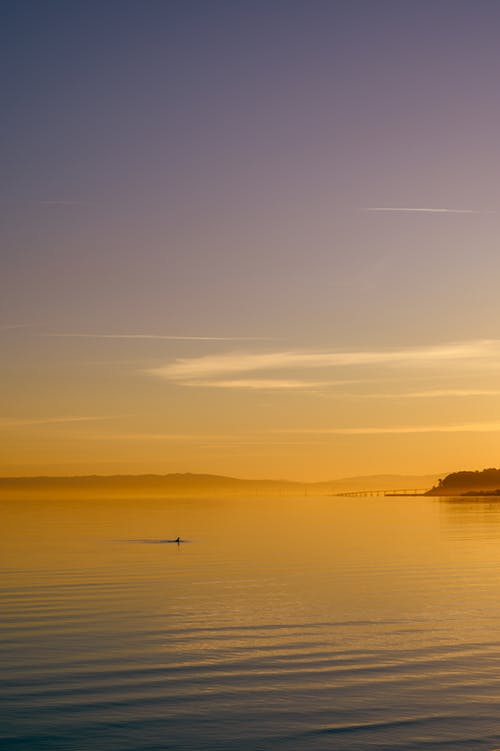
x=288 y=624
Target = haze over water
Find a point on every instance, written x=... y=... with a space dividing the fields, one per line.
x=306 y=623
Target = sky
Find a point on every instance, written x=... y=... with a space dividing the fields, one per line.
x=254 y=238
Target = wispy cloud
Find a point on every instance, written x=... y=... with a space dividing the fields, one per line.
x=263 y=384
x=424 y=210
x=258 y=439
x=472 y=427
x=62 y=203
x=197 y=371
x=179 y=337
x=298 y=436
x=432 y=394
x=6 y=422
x=168 y=437
x=12 y=326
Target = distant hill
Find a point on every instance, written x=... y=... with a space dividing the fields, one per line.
x=133 y=486
x=192 y=485
x=482 y=482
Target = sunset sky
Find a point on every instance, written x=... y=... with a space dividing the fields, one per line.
x=257 y=238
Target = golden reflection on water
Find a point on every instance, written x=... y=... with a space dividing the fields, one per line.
x=278 y=619
x=264 y=559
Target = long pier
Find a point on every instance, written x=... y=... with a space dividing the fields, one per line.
x=396 y=492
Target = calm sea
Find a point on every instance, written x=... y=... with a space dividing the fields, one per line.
x=287 y=624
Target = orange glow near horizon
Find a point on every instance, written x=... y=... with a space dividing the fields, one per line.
x=302 y=415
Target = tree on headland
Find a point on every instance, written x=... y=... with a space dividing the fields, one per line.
x=458 y=483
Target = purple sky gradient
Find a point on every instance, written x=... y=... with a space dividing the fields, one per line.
x=204 y=169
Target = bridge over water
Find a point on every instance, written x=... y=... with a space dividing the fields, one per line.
x=366 y=493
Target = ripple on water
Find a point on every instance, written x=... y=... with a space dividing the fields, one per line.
x=142 y=647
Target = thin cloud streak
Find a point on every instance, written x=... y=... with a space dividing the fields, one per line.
x=479 y=427
x=298 y=436
x=424 y=210
x=191 y=371
x=62 y=203
x=265 y=384
x=20 y=422
x=162 y=336
x=430 y=394
x=13 y=326
x=258 y=439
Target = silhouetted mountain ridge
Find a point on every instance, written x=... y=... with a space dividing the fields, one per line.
x=190 y=484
